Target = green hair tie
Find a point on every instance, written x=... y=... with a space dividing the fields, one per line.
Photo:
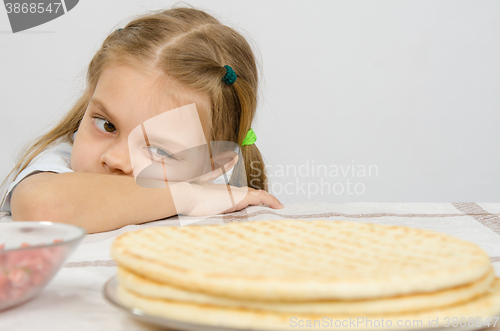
x=250 y=138
x=230 y=76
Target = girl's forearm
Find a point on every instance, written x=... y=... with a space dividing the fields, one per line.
x=96 y=202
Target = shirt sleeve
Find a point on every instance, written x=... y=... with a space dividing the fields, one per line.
x=54 y=159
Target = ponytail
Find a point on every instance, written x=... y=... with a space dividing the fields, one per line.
x=253 y=164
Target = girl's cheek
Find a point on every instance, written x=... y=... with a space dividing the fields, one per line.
x=81 y=155
x=76 y=158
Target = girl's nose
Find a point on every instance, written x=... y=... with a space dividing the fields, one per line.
x=116 y=159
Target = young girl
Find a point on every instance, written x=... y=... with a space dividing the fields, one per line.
x=82 y=173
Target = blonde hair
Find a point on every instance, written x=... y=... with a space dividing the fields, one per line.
x=192 y=47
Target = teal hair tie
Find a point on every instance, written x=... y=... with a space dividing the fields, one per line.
x=118 y=29
x=230 y=76
x=250 y=138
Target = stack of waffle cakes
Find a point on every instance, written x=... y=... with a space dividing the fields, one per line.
x=284 y=274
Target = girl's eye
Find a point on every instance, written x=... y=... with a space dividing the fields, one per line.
x=160 y=152
x=104 y=125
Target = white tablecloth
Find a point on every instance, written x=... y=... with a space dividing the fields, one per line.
x=73 y=301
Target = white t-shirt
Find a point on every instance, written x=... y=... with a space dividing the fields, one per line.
x=57 y=158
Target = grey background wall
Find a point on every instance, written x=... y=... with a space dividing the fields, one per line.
x=360 y=100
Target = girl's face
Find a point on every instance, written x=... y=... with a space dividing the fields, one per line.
x=127 y=100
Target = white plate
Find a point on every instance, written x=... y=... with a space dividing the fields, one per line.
x=110 y=293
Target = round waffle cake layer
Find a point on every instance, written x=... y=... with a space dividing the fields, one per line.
x=398 y=304
x=300 y=261
x=470 y=315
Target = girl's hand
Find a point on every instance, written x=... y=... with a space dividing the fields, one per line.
x=210 y=199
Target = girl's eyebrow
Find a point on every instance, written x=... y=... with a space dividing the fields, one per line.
x=99 y=104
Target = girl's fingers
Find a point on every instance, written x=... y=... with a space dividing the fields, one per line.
x=272 y=201
x=261 y=196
